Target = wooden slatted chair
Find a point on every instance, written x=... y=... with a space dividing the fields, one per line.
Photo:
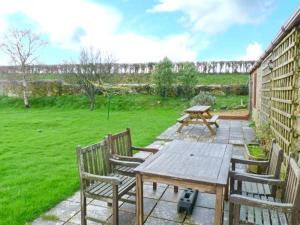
x=258 y=209
x=97 y=180
x=273 y=165
x=121 y=149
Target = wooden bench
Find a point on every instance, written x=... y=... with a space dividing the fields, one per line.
x=184 y=118
x=273 y=166
x=249 y=208
x=213 y=120
x=99 y=181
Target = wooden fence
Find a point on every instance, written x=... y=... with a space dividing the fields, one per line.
x=279 y=94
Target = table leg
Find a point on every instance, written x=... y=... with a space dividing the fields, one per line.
x=212 y=131
x=139 y=200
x=219 y=206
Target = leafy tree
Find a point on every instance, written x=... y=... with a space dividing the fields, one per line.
x=164 y=77
x=188 y=79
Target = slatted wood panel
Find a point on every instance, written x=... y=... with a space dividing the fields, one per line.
x=121 y=143
x=93 y=159
x=265 y=91
x=285 y=62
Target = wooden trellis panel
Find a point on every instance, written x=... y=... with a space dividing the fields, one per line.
x=265 y=91
x=285 y=62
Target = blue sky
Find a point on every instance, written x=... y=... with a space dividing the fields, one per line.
x=147 y=30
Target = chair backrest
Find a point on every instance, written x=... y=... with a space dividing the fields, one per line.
x=120 y=143
x=93 y=159
x=291 y=191
x=276 y=159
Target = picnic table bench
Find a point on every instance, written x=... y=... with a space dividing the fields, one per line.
x=198 y=115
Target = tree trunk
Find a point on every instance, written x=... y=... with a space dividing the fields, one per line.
x=25 y=94
x=92 y=103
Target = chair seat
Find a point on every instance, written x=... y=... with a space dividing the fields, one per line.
x=124 y=170
x=105 y=190
x=255 y=215
x=256 y=188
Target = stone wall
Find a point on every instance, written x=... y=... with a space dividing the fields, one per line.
x=212 y=67
x=37 y=88
x=58 y=88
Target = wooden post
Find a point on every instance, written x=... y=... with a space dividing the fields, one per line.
x=139 y=200
x=115 y=205
x=219 y=205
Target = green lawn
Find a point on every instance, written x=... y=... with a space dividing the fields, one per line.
x=37 y=146
x=37 y=153
x=203 y=79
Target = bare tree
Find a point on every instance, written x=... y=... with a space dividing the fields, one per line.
x=22 y=46
x=92 y=67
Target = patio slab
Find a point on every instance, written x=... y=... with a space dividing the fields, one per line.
x=161 y=205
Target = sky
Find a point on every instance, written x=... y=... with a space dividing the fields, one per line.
x=138 y=31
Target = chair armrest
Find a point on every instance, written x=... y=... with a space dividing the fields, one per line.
x=266 y=176
x=106 y=179
x=244 y=200
x=128 y=158
x=246 y=177
x=152 y=150
x=249 y=162
x=124 y=163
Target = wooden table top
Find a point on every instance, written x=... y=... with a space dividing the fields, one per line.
x=198 y=109
x=196 y=162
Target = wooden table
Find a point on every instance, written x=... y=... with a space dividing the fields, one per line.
x=201 y=166
x=198 y=115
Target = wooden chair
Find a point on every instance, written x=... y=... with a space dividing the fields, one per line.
x=121 y=148
x=258 y=209
x=97 y=180
x=273 y=165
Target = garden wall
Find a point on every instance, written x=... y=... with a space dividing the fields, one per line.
x=58 y=88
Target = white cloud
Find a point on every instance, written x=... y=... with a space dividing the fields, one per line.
x=253 y=51
x=74 y=23
x=213 y=16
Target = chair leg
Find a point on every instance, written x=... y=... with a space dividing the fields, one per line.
x=83 y=209
x=115 y=205
x=236 y=211
x=175 y=189
x=295 y=218
x=154 y=186
x=231 y=213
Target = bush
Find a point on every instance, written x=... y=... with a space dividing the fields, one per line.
x=164 y=77
x=188 y=78
x=203 y=98
x=264 y=134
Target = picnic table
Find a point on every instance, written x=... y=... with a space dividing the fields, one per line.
x=199 y=115
x=201 y=166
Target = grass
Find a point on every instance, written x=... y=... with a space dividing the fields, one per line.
x=256 y=151
x=37 y=146
x=203 y=79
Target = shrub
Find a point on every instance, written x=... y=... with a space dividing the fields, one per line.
x=164 y=77
x=203 y=98
x=188 y=78
x=264 y=134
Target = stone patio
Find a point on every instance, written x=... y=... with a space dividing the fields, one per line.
x=160 y=206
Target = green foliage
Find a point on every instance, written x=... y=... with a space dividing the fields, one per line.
x=203 y=98
x=164 y=78
x=264 y=134
x=256 y=151
x=188 y=78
